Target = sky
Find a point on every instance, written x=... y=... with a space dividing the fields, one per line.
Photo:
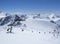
x=30 y=5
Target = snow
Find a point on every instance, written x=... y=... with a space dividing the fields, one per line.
x=27 y=37
x=2 y=14
x=36 y=31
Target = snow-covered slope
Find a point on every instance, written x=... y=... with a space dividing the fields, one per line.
x=31 y=31
x=28 y=37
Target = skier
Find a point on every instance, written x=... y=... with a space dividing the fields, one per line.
x=9 y=29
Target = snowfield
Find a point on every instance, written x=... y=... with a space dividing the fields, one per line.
x=35 y=31
x=27 y=37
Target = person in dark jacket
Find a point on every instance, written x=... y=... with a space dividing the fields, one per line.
x=9 y=29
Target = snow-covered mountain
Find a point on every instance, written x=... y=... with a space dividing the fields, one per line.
x=36 y=22
x=6 y=19
x=30 y=29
